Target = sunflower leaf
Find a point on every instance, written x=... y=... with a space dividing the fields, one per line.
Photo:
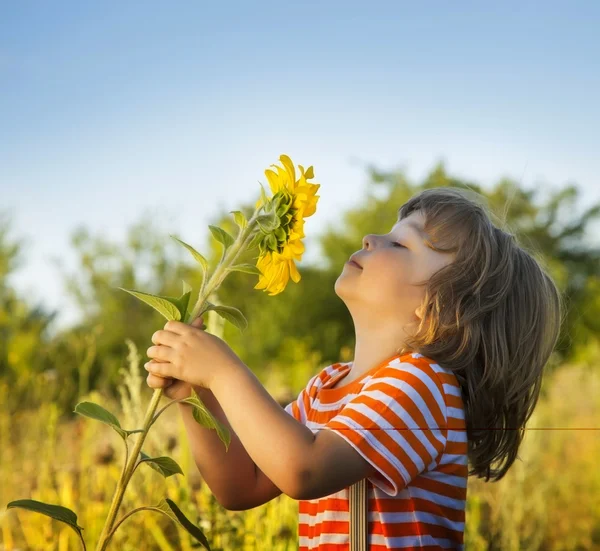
x=204 y=417
x=263 y=196
x=231 y=314
x=222 y=237
x=186 y=287
x=199 y=258
x=164 y=465
x=192 y=529
x=182 y=304
x=94 y=411
x=240 y=219
x=169 y=307
x=246 y=268
x=56 y=512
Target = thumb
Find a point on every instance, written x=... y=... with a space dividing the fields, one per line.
x=198 y=322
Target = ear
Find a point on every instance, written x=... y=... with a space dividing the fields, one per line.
x=419 y=312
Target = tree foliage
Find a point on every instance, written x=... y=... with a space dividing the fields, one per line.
x=548 y=222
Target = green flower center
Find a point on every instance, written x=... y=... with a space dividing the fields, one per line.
x=277 y=229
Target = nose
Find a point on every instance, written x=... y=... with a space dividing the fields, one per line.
x=368 y=241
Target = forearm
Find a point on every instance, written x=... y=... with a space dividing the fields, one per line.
x=228 y=474
x=276 y=442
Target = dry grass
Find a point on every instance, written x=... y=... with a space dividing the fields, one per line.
x=550 y=500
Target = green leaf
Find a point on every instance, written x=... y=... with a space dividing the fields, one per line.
x=201 y=260
x=240 y=218
x=222 y=236
x=268 y=222
x=263 y=196
x=167 y=306
x=182 y=304
x=231 y=314
x=186 y=287
x=94 y=411
x=169 y=508
x=255 y=241
x=271 y=242
x=246 y=268
x=280 y=234
x=56 y=512
x=164 y=465
x=204 y=417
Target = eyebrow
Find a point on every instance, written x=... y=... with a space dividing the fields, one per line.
x=418 y=229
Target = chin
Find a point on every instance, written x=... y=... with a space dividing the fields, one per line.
x=343 y=289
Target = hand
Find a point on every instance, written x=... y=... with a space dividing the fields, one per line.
x=190 y=354
x=173 y=388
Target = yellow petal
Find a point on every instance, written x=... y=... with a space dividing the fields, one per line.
x=289 y=166
x=295 y=275
x=274 y=181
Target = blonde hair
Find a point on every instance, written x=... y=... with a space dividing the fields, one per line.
x=492 y=317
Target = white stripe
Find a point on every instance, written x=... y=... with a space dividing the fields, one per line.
x=450 y=459
x=456 y=435
x=452 y=390
x=450 y=479
x=442 y=542
x=438 y=498
x=332 y=406
x=456 y=413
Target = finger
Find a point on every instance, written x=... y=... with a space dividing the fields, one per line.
x=154 y=381
x=161 y=369
x=164 y=337
x=177 y=327
x=198 y=324
x=161 y=352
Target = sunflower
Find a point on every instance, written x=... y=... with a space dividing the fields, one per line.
x=292 y=201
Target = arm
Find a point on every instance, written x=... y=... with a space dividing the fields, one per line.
x=264 y=491
x=290 y=459
x=231 y=475
x=275 y=441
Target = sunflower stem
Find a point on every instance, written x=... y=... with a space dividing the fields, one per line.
x=220 y=272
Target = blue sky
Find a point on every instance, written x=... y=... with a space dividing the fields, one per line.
x=110 y=109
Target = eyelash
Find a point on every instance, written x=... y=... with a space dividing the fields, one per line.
x=401 y=245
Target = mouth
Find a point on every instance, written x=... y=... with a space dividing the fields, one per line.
x=354 y=264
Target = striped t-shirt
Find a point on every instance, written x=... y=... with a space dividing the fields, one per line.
x=405 y=416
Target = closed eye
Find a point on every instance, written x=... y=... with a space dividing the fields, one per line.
x=399 y=244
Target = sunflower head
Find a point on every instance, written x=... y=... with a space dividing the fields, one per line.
x=282 y=224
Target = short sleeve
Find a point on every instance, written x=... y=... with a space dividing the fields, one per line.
x=300 y=407
x=398 y=423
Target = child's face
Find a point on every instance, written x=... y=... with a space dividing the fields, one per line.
x=385 y=288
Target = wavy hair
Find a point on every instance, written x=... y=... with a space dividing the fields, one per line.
x=492 y=317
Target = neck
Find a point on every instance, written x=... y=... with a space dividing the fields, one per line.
x=375 y=344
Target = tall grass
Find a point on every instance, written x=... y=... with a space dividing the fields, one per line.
x=549 y=500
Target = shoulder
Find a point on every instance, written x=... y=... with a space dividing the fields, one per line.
x=324 y=376
x=413 y=375
x=415 y=364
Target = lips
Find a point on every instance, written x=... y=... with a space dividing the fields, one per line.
x=353 y=259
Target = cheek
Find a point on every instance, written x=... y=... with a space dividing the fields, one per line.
x=387 y=281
